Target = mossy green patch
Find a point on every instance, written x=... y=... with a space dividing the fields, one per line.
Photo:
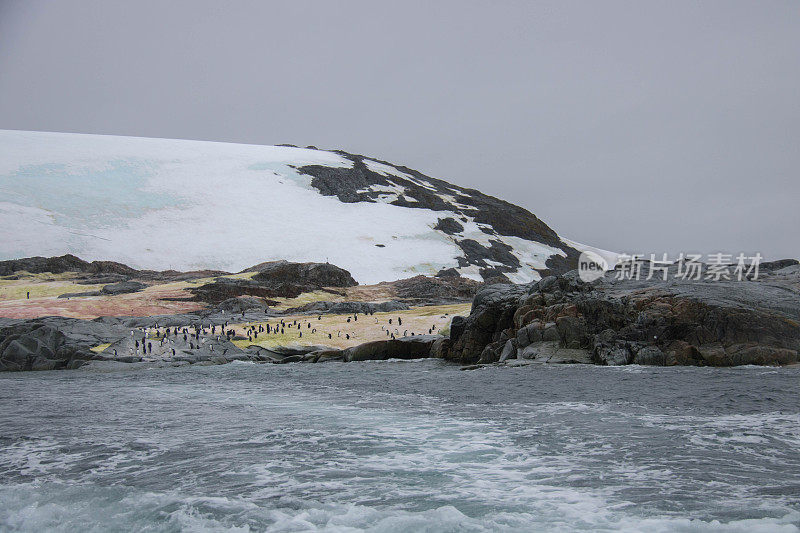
x=100 y=347
x=41 y=287
x=366 y=328
x=240 y=275
x=307 y=298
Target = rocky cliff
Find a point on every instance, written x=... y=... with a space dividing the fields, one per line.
x=561 y=319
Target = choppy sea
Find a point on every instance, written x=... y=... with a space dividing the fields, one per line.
x=401 y=446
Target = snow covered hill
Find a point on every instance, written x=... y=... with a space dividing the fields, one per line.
x=176 y=204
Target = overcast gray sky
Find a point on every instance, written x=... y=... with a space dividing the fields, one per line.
x=632 y=126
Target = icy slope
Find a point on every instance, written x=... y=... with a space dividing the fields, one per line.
x=160 y=203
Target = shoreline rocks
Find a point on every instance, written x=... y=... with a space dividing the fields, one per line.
x=557 y=320
x=562 y=319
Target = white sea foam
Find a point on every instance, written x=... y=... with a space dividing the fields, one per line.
x=27 y=509
x=381 y=447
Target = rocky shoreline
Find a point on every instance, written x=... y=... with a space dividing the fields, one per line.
x=559 y=319
x=618 y=322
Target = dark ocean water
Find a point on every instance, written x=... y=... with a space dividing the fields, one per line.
x=401 y=446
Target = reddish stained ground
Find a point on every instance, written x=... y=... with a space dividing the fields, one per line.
x=146 y=303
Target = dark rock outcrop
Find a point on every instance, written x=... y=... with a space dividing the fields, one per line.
x=276 y=279
x=96 y=272
x=243 y=303
x=449 y=225
x=414 y=347
x=609 y=322
x=360 y=183
x=223 y=289
x=97 y=279
x=279 y=273
x=448 y=273
x=175 y=275
x=68 y=295
x=51 y=343
x=426 y=289
x=347 y=308
x=494 y=260
x=61 y=264
x=39 y=265
x=123 y=287
x=481 y=336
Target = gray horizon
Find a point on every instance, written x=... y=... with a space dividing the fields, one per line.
x=634 y=127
